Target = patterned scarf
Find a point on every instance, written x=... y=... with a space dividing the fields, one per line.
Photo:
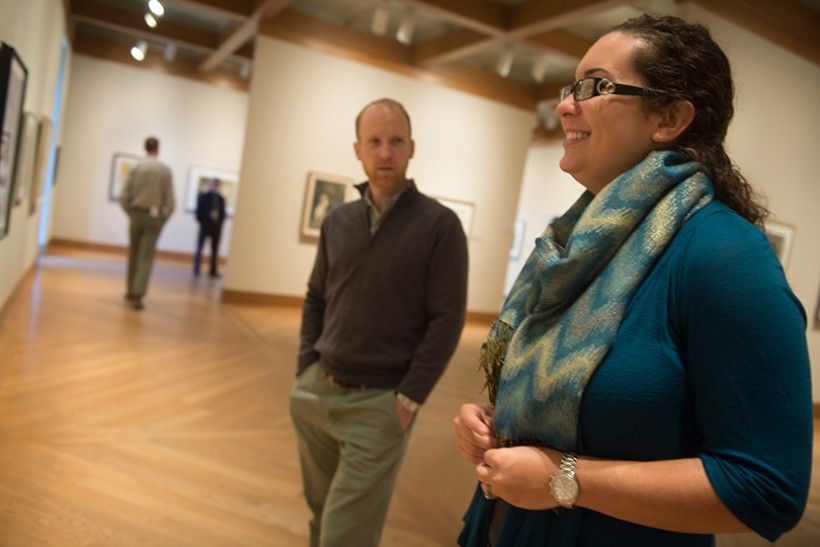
x=563 y=311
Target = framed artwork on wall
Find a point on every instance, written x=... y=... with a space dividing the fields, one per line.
x=323 y=193
x=40 y=164
x=463 y=209
x=518 y=239
x=121 y=165
x=200 y=177
x=13 y=77
x=24 y=176
x=780 y=236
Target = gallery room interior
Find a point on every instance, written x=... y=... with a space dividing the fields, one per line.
x=170 y=426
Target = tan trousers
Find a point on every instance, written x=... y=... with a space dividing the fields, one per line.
x=143 y=232
x=350 y=447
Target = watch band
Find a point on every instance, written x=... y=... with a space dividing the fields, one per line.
x=407 y=402
x=564 y=484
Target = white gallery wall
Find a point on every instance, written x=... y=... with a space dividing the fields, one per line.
x=301 y=119
x=111 y=107
x=35 y=29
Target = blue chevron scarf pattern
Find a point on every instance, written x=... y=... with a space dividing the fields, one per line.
x=563 y=311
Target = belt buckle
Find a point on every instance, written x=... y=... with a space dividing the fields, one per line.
x=332 y=380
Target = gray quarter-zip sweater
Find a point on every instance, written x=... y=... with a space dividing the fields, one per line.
x=386 y=310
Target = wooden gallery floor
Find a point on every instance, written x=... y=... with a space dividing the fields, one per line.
x=169 y=427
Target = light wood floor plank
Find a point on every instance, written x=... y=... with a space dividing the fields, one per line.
x=170 y=426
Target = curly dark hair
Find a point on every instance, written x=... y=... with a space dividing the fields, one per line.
x=680 y=60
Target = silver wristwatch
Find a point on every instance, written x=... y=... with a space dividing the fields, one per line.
x=564 y=483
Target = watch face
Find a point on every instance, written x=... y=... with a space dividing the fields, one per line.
x=564 y=488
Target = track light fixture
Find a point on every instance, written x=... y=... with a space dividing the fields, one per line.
x=539 y=69
x=156 y=7
x=139 y=50
x=380 y=21
x=406 y=30
x=150 y=20
x=505 y=63
x=170 y=52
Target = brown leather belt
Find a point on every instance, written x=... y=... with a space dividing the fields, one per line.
x=342 y=383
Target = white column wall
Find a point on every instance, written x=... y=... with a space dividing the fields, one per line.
x=301 y=118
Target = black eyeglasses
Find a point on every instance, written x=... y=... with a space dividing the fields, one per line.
x=592 y=86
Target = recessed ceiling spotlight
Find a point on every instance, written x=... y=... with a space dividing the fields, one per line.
x=170 y=52
x=381 y=20
x=156 y=7
x=139 y=50
x=539 y=69
x=505 y=63
x=406 y=30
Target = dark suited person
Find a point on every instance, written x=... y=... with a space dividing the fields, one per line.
x=210 y=213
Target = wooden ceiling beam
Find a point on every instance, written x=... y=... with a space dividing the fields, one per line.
x=100 y=14
x=110 y=50
x=537 y=22
x=787 y=23
x=448 y=47
x=561 y=41
x=484 y=17
x=297 y=27
x=234 y=10
x=246 y=32
x=538 y=16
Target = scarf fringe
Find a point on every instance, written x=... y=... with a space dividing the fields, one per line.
x=491 y=358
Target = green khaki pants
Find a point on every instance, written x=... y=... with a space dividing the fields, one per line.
x=143 y=232
x=350 y=447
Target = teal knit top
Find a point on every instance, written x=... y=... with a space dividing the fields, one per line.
x=710 y=361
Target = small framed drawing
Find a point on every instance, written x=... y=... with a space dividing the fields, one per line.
x=780 y=236
x=323 y=193
x=463 y=209
x=40 y=164
x=518 y=239
x=199 y=180
x=121 y=165
x=13 y=78
x=26 y=156
x=817 y=312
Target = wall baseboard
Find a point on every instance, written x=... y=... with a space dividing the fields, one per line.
x=262 y=299
x=56 y=243
x=267 y=299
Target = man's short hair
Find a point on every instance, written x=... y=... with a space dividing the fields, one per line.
x=151 y=144
x=387 y=102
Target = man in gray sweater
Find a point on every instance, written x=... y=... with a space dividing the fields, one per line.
x=383 y=313
x=148 y=198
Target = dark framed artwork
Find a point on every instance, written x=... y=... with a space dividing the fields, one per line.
x=121 y=165
x=323 y=193
x=13 y=77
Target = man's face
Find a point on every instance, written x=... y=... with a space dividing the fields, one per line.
x=384 y=147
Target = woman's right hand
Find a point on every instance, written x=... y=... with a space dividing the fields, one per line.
x=473 y=432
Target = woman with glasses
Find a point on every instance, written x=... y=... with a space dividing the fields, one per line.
x=648 y=373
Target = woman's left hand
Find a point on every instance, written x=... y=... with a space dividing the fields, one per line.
x=520 y=475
